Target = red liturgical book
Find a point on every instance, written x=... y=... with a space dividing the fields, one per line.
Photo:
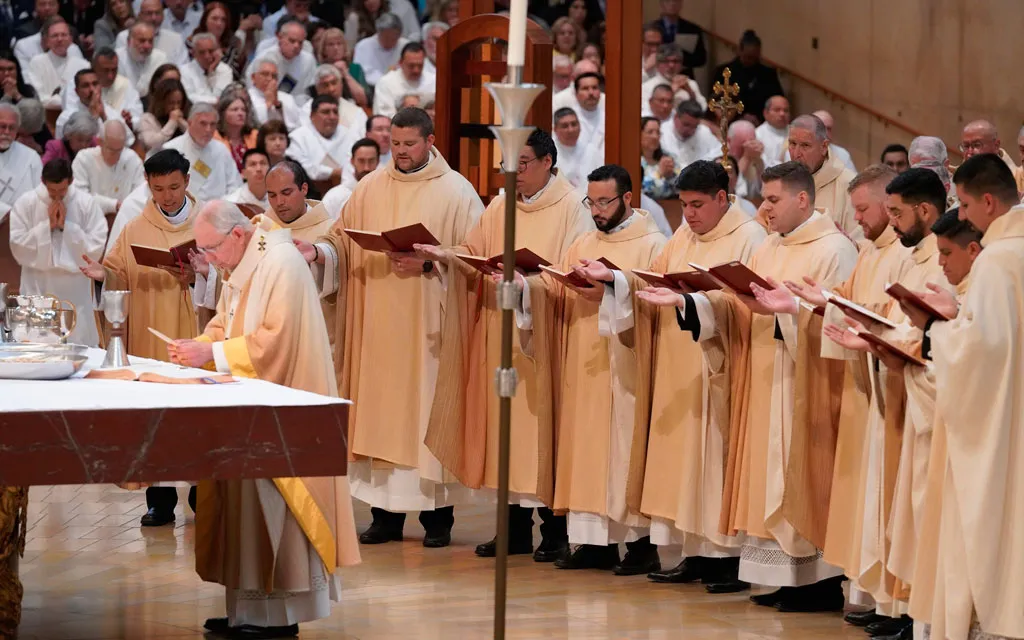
x=658 y=279
x=910 y=298
x=175 y=257
x=737 y=276
x=400 y=240
x=855 y=310
x=570 y=278
x=526 y=261
x=888 y=346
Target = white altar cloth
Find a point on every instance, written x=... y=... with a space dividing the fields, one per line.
x=80 y=394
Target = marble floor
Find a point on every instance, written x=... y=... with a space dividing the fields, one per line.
x=92 y=573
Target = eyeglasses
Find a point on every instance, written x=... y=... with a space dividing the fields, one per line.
x=977 y=145
x=522 y=165
x=896 y=214
x=600 y=205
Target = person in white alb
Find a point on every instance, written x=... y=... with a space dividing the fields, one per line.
x=182 y=16
x=268 y=103
x=669 y=71
x=298 y=9
x=50 y=72
x=567 y=97
x=774 y=131
x=432 y=32
x=686 y=138
x=90 y=100
x=380 y=52
x=590 y=113
x=20 y=166
x=365 y=160
x=573 y=163
x=324 y=149
x=170 y=43
x=138 y=60
x=52 y=226
x=378 y=129
x=408 y=79
x=295 y=67
x=206 y=77
x=255 y=166
x=328 y=82
x=661 y=104
x=117 y=90
x=213 y=173
x=561 y=73
x=27 y=48
x=108 y=171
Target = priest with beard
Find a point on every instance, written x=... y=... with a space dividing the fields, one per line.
x=463 y=431
x=390 y=311
x=597 y=365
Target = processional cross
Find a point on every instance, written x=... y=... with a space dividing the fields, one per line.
x=724 y=106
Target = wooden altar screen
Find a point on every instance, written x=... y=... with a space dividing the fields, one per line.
x=468 y=55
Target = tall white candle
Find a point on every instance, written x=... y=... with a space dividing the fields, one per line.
x=517 y=34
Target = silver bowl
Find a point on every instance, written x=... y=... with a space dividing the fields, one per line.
x=39 y=365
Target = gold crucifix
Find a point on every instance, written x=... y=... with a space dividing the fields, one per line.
x=724 y=106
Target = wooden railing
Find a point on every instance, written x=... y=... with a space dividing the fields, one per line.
x=834 y=95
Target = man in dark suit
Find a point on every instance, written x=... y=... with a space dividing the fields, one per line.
x=757 y=81
x=684 y=34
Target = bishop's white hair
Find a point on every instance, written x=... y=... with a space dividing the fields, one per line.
x=813 y=124
x=224 y=216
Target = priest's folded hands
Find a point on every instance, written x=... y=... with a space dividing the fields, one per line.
x=190 y=353
x=406 y=264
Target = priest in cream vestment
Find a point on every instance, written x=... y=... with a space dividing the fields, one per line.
x=969 y=556
x=287 y=186
x=463 y=431
x=784 y=398
x=883 y=259
x=596 y=386
x=808 y=145
x=388 y=327
x=268 y=326
x=678 y=483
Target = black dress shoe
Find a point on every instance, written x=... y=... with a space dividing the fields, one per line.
x=889 y=626
x=436 y=540
x=689 y=570
x=863 y=618
x=726 y=586
x=216 y=625
x=515 y=548
x=906 y=634
x=770 y=599
x=639 y=562
x=378 y=534
x=551 y=550
x=154 y=518
x=249 y=632
x=590 y=556
x=824 y=595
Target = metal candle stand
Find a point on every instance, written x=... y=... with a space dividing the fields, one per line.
x=514 y=100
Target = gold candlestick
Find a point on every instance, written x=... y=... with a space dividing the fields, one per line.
x=724 y=106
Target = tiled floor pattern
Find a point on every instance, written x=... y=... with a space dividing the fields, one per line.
x=92 y=573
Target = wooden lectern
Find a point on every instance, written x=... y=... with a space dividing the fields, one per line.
x=472 y=53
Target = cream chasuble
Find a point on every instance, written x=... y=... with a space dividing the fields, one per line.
x=50 y=258
x=782 y=436
x=315 y=222
x=274 y=544
x=463 y=431
x=882 y=261
x=157 y=299
x=971 y=554
x=596 y=394
x=830 y=184
x=681 y=422
x=394 y=323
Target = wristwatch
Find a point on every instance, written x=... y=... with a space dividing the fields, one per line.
x=428 y=266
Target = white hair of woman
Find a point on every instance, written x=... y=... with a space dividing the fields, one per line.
x=430 y=26
x=325 y=70
x=929 y=152
x=224 y=216
x=81 y=123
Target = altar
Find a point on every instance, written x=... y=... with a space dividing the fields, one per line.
x=93 y=431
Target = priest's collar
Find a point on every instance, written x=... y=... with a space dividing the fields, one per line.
x=630 y=219
x=801 y=225
x=179 y=216
x=416 y=170
x=531 y=199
